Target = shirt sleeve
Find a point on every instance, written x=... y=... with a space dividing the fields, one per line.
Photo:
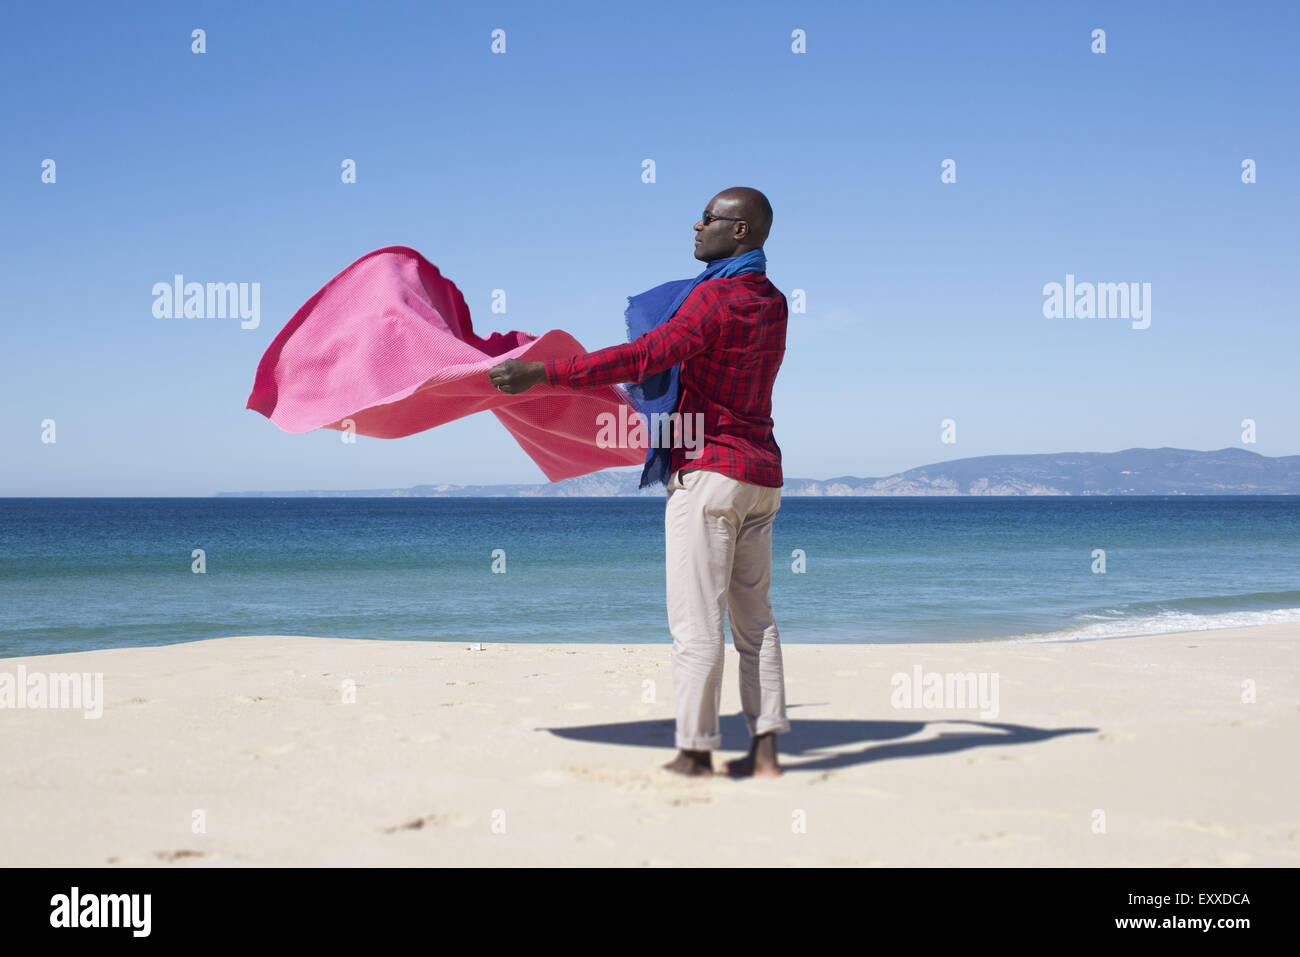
x=692 y=329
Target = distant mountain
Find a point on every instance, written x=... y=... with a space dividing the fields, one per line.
x=1162 y=471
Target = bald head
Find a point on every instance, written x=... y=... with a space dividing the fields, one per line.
x=744 y=220
x=751 y=206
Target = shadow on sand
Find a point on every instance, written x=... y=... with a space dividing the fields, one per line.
x=811 y=739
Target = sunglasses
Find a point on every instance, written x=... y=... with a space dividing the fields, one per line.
x=708 y=217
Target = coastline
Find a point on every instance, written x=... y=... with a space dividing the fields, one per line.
x=1132 y=752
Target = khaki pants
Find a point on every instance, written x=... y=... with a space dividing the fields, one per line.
x=718 y=547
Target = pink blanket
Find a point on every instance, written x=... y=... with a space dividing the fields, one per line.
x=387 y=344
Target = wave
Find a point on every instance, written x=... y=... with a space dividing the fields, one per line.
x=1194 y=613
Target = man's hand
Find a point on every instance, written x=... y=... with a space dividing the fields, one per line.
x=514 y=376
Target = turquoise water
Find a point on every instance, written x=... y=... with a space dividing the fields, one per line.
x=80 y=574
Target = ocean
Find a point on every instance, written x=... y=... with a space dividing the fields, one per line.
x=78 y=574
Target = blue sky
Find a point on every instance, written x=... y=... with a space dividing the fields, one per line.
x=522 y=171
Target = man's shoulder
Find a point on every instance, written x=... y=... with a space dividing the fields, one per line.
x=747 y=280
x=745 y=286
x=747 y=297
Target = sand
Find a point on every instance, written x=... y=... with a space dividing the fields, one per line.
x=245 y=751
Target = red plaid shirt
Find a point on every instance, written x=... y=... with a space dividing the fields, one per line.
x=729 y=337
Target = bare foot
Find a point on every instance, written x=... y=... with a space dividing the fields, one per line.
x=761 y=761
x=694 y=764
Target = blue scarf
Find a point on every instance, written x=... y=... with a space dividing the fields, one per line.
x=659 y=393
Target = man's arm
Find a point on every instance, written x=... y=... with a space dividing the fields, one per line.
x=693 y=329
x=690 y=331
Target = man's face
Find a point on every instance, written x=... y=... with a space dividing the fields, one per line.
x=715 y=240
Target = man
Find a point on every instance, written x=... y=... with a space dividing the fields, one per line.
x=728 y=336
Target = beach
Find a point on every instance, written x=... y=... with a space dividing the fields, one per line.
x=1167 y=750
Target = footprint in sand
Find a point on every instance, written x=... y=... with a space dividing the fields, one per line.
x=428 y=820
x=689 y=799
x=622 y=780
x=179 y=855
